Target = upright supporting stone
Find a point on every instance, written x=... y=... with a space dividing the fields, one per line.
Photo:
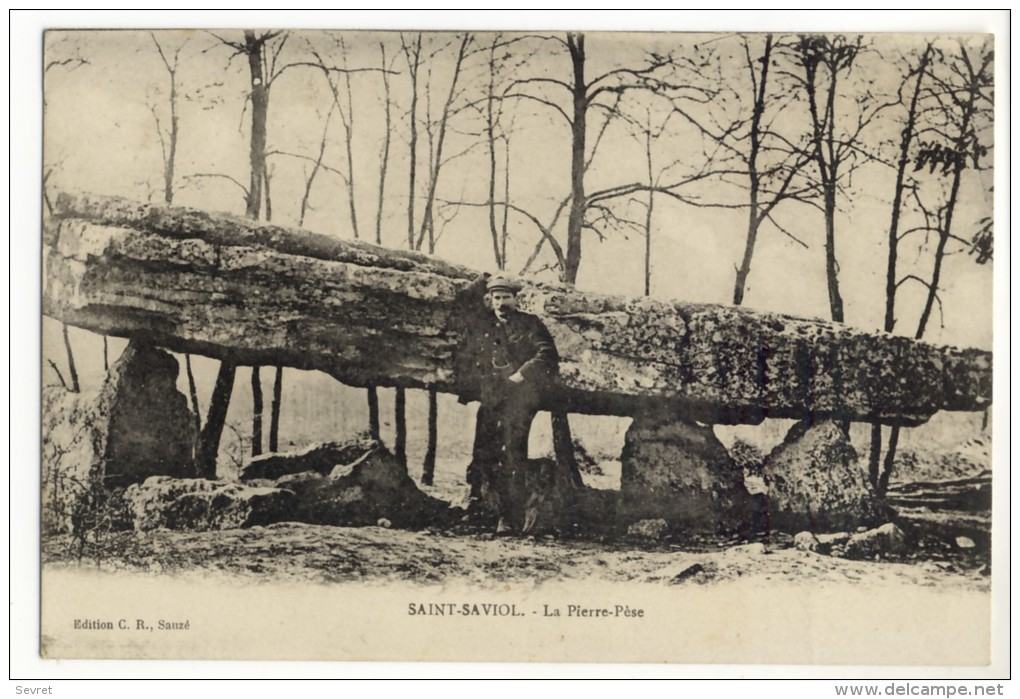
x=679 y=471
x=152 y=428
x=137 y=425
x=817 y=482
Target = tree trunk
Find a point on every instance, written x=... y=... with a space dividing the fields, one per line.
x=259 y=117
x=437 y=158
x=578 y=125
x=256 y=417
x=890 y=458
x=831 y=265
x=429 y=466
x=875 y=454
x=384 y=160
x=891 y=262
x=505 y=229
x=316 y=166
x=563 y=446
x=193 y=393
x=490 y=127
x=274 y=414
x=400 y=418
x=72 y=370
x=106 y=354
x=649 y=208
x=209 y=439
x=373 y=412
x=945 y=232
x=348 y=142
x=413 y=146
x=754 y=178
x=171 y=159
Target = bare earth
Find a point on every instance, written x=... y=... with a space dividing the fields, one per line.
x=291 y=552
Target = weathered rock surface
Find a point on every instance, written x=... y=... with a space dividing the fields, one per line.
x=882 y=541
x=202 y=505
x=73 y=441
x=816 y=482
x=806 y=541
x=225 y=286
x=651 y=529
x=369 y=487
x=152 y=428
x=320 y=458
x=135 y=426
x=679 y=472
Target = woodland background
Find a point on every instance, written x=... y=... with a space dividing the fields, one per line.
x=839 y=176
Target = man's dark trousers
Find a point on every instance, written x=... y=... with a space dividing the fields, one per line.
x=500 y=451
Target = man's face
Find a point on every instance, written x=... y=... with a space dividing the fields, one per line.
x=502 y=303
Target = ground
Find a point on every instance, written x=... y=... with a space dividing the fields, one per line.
x=291 y=552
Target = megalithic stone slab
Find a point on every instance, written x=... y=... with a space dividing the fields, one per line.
x=135 y=426
x=225 y=286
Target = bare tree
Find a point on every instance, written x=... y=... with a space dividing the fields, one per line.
x=765 y=162
x=428 y=229
x=262 y=51
x=907 y=138
x=412 y=54
x=339 y=82
x=64 y=54
x=600 y=94
x=951 y=146
x=384 y=155
x=168 y=137
x=384 y=159
x=826 y=70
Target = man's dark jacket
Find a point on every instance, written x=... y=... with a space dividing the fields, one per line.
x=491 y=351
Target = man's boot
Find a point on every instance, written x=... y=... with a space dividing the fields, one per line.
x=503 y=528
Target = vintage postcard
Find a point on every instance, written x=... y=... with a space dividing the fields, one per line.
x=557 y=346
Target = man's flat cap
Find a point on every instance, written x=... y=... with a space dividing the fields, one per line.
x=503 y=284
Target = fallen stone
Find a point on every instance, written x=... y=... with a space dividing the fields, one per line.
x=964 y=542
x=806 y=541
x=687 y=573
x=653 y=529
x=834 y=538
x=203 y=505
x=373 y=487
x=320 y=458
x=817 y=483
x=887 y=540
x=679 y=472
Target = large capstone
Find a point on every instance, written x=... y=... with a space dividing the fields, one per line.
x=817 y=483
x=259 y=294
x=680 y=472
x=135 y=426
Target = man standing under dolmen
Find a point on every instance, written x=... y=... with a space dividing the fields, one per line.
x=508 y=362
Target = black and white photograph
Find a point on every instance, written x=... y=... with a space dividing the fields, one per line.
x=499 y=345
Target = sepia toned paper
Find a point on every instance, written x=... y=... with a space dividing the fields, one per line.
x=296 y=592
